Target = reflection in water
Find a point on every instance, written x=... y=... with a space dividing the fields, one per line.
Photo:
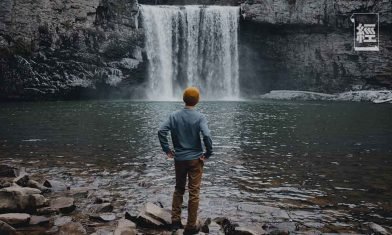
x=318 y=162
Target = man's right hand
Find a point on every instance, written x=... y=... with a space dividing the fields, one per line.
x=203 y=158
x=170 y=154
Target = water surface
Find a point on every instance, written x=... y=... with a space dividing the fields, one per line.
x=322 y=164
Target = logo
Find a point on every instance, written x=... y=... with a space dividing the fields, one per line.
x=366 y=31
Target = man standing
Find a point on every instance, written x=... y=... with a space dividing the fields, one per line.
x=185 y=127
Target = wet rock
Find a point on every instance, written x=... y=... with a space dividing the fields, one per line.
x=249 y=231
x=46 y=211
x=100 y=196
x=99 y=208
x=72 y=228
x=152 y=215
x=55 y=185
x=63 y=204
x=8 y=171
x=215 y=228
x=35 y=184
x=39 y=220
x=6 y=182
x=281 y=228
x=103 y=231
x=377 y=229
x=15 y=218
x=81 y=192
x=22 y=180
x=6 y=229
x=60 y=221
x=124 y=223
x=105 y=217
x=15 y=199
x=204 y=226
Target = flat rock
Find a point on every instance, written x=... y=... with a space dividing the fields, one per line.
x=81 y=192
x=55 y=185
x=72 y=228
x=63 y=204
x=15 y=218
x=6 y=229
x=103 y=231
x=38 y=220
x=8 y=171
x=125 y=227
x=152 y=215
x=60 y=221
x=106 y=217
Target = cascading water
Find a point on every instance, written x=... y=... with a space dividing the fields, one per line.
x=191 y=46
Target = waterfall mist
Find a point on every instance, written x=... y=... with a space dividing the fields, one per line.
x=191 y=46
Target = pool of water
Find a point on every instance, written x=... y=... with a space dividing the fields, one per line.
x=323 y=164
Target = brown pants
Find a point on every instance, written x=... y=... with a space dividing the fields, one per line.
x=194 y=170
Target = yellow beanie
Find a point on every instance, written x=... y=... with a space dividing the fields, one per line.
x=191 y=96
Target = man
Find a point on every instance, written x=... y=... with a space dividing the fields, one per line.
x=185 y=127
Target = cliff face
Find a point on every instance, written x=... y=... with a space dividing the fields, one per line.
x=94 y=48
x=308 y=45
x=55 y=48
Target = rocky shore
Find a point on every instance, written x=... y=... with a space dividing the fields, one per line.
x=36 y=204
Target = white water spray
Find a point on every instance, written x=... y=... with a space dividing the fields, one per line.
x=191 y=46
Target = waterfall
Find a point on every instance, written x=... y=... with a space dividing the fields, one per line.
x=191 y=46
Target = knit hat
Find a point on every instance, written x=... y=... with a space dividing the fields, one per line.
x=191 y=96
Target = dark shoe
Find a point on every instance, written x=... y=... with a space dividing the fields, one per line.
x=176 y=225
x=191 y=231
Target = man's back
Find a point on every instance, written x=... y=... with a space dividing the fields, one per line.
x=185 y=127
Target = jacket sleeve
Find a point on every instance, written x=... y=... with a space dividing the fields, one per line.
x=162 y=135
x=206 y=136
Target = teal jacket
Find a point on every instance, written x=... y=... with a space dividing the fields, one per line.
x=185 y=127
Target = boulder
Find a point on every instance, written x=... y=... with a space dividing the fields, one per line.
x=15 y=218
x=8 y=171
x=18 y=199
x=6 y=229
x=152 y=215
x=63 y=204
x=55 y=185
x=22 y=180
x=39 y=220
x=72 y=228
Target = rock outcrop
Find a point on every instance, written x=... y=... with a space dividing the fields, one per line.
x=308 y=45
x=57 y=49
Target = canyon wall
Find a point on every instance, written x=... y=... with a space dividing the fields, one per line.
x=72 y=49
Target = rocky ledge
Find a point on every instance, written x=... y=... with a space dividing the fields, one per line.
x=53 y=207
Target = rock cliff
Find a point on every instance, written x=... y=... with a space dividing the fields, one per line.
x=308 y=45
x=54 y=49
